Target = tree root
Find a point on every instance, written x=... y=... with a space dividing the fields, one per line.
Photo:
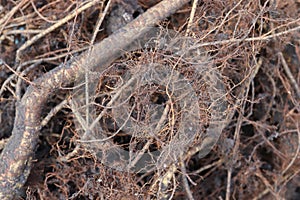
x=16 y=158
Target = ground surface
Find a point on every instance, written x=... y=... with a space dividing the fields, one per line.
x=253 y=44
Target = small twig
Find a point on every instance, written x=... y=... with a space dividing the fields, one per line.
x=290 y=75
x=192 y=15
x=217 y=163
x=54 y=26
x=268 y=142
x=20 y=78
x=86 y=76
x=140 y=154
x=185 y=182
x=33 y=64
x=15 y=72
x=228 y=186
x=223 y=21
x=100 y=21
x=110 y=103
x=53 y=112
x=78 y=116
x=283 y=181
x=84 y=136
x=5 y=19
x=39 y=14
x=264 y=37
x=5 y=83
x=242 y=102
x=296 y=153
x=20 y=31
x=235 y=151
x=271 y=188
x=174 y=188
x=164 y=182
x=147 y=145
x=61 y=55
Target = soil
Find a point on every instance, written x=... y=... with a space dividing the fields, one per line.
x=256 y=156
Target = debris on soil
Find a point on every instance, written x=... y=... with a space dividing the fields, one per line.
x=254 y=45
